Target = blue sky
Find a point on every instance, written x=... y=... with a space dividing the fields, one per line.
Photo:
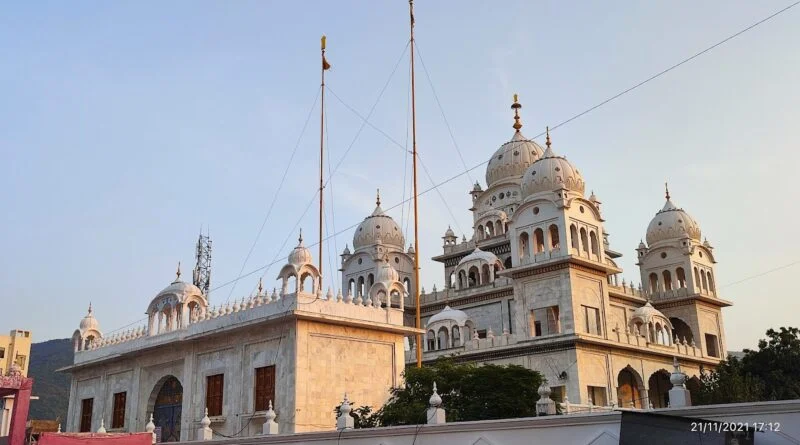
x=126 y=126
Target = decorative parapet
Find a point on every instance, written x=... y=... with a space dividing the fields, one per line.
x=449 y=294
x=246 y=311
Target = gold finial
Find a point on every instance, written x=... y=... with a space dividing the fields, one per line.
x=322 y=41
x=547 y=131
x=300 y=238
x=178 y=272
x=378 y=198
x=90 y=307
x=516 y=106
x=666 y=189
x=260 y=286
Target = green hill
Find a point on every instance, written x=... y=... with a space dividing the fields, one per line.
x=51 y=387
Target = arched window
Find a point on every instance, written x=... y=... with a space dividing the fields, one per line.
x=407 y=283
x=88 y=342
x=307 y=283
x=370 y=280
x=705 y=283
x=480 y=232
x=681 y=275
x=431 y=341
x=351 y=287
x=538 y=236
x=523 y=246
x=452 y=280
x=361 y=286
x=507 y=263
x=653 y=283
x=554 y=241
x=710 y=282
x=498 y=227
x=490 y=228
x=485 y=274
x=443 y=337
x=628 y=389
x=681 y=330
x=456 y=337
x=474 y=277
x=593 y=239
x=667 y=280
x=696 y=279
x=584 y=240
x=573 y=235
x=462 y=279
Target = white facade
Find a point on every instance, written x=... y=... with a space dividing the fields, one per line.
x=537 y=285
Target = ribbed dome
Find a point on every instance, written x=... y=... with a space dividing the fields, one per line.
x=180 y=289
x=672 y=223
x=378 y=227
x=512 y=159
x=449 y=314
x=481 y=255
x=551 y=172
x=89 y=322
x=387 y=273
x=300 y=254
x=647 y=313
x=449 y=233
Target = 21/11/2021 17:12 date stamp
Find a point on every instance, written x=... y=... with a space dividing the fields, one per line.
x=721 y=427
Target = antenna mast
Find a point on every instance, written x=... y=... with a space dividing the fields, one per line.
x=201 y=276
x=416 y=208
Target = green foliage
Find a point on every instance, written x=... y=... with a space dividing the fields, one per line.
x=468 y=391
x=770 y=373
x=51 y=387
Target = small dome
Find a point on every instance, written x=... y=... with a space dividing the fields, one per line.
x=647 y=313
x=89 y=322
x=346 y=250
x=387 y=273
x=449 y=233
x=512 y=159
x=300 y=254
x=481 y=255
x=180 y=289
x=477 y=187
x=551 y=173
x=672 y=222
x=449 y=314
x=378 y=227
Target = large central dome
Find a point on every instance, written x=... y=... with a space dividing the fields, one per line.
x=378 y=227
x=512 y=159
x=551 y=173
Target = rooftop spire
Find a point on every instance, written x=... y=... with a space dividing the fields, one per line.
x=90 y=307
x=178 y=272
x=378 y=198
x=516 y=106
x=666 y=189
x=260 y=286
x=300 y=238
x=547 y=131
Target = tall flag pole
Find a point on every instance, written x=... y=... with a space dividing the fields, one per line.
x=325 y=66
x=416 y=208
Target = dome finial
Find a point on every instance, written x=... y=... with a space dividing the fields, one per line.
x=666 y=189
x=178 y=272
x=260 y=286
x=378 y=198
x=516 y=106
x=300 y=238
x=547 y=132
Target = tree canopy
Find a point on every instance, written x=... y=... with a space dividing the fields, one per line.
x=770 y=373
x=468 y=391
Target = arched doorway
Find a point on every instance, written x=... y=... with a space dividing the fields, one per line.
x=659 y=385
x=628 y=389
x=167 y=409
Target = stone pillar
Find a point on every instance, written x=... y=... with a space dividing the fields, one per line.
x=151 y=427
x=345 y=421
x=271 y=426
x=436 y=414
x=545 y=406
x=204 y=432
x=19 y=414
x=679 y=396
